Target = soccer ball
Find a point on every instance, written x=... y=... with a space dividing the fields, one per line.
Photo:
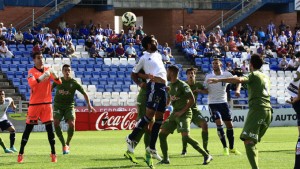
x=129 y=19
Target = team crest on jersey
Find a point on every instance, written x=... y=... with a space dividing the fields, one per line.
x=71 y=85
x=176 y=89
x=30 y=75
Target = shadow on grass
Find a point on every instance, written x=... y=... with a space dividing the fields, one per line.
x=278 y=151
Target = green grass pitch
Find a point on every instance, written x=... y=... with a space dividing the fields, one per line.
x=104 y=149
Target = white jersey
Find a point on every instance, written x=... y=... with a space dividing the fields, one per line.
x=152 y=64
x=293 y=88
x=217 y=91
x=4 y=107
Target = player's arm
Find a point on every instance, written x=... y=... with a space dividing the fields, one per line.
x=32 y=81
x=135 y=77
x=55 y=77
x=191 y=101
x=135 y=72
x=12 y=105
x=87 y=100
x=238 y=90
x=234 y=80
x=53 y=86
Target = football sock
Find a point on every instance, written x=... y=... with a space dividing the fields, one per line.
x=25 y=137
x=230 y=137
x=252 y=155
x=2 y=143
x=70 y=134
x=12 y=138
x=138 y=137
x=51 y=137
x=205 y=139
x=140 y=126
x=60 y=136
x=297 y=156
x=147 y=139
x=154 y=133
x=184 y=144
x=221 y=135
x=195 y=145
x=164 y=145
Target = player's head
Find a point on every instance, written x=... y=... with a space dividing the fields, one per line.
x=191 y=73
x=2 y=95
x=216 y=64
x=38 y=59
x=149 y=43
x=172 y=72
x=256 y=62
x=66 y=69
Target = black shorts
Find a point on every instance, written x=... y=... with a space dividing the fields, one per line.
x=5 y=124
x=296 y=107
x=220 y=111
x=156 y=96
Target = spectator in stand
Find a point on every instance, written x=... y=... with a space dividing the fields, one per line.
x=189 y=37
x=283 y=63
x=185 y=45
x=168 y=49
x=246 y=39
x=98 y=44
x=297 y=27
x=202 y=38
x=192 y=52
x=216 y=52
x=3 y=28
x=223 y=45
x=254 y=39
x=84 y=32
x=281 y=51
x=270 y=43
x=104 y=43
x=207 y=52
x=270 y=28
x=120 y=52
x=165 y=57
x=19 y=37
x=297 y=51
x=59 y=40
x=88 y=43
x=110 y=51
x=235 y=32
x=113 y=38
x=70 y=50
x=99 y=36
x=229 y=67
x=36 y=48
x=261 y=34
x=130 y=39
x=219 y=30
x=179 y=39
x=196 y=44
x=94 y=52
x=51 y=35
x=35 y=29
x=277 y=43
x=230 y=36
x=290 y=50
x=93 y=31
x=108 y=31
x=283 y=38
x=291 y=41
x=241 y=30
x=232 y=45
x=245 y=67
x=47 y=44
x=58 y=33
x=67 y=37
x=54 y=51
x=282 y=26
x=130 y=51
x=122 y=37
x=240 y=45
x=4 y=52
x=75 y=32
x=268 y=52
x=217 y=37
x=260 y=49
x=67 y=28
x=288 y=32
x=13 y=29
x=293 y=64
x=10 y=37
x=28 y=37
x=212 y=39
x=62 y=50
x=138 y=40
x=40 y=37
x=195 y=36
x=297 y=35
x=99 y=29
x=140 y=32
x=44 y=29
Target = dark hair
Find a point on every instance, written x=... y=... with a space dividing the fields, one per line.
x=256 y=61
x=174 y=69
x=35 y=54
x=191 y=69
x=147 y=40
x=65 y=65
x=218 y=60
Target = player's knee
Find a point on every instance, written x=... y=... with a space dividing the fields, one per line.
x=248 y=142
x=204 y=126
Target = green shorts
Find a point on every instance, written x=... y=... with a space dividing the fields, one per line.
x=197 y=117
x=183 y=124
x=257 y=123
x=60 y=113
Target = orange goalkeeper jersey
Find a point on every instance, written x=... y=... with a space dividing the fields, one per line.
x=40 y=92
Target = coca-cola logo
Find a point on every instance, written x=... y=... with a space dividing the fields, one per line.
x=108 y=109
x=107 y=121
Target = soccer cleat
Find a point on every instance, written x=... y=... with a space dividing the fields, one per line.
x=66 y=149
x=131 y=157
x=20 y=158
x=226 y=151
x=235 y=151
x=53 y=158
x=183 y=153
x=153 y=153
x=207 y=159
x=148 y=160
x=13 y=149
x=164 y=162
x=6 y=150
x=130 y=144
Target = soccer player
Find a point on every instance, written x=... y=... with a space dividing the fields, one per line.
x=64 y=106
x=197 y=117
x=260 y=110
x=182 y=99
x=218 y=107
x=40 y=103
x=141 y=109
x=151 y=63
x=294 y=91
x=5 y=124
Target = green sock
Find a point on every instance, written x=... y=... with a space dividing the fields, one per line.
x=205 y=139
x=60 y=136
x=184 y=143
x=146 y=139
x=252 y=155
x=2 y=143
x=164 y=145
x=195 y=145
x=70 y=135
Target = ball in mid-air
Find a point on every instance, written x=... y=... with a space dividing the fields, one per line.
x=129 y=19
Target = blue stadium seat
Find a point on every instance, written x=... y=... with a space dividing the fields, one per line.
x=105 y=68
x=23 y=89
x=16 y=61
x=98 y=68
x=204 y=100
x=24 y=81
x=119 y=81
x=120 y=74
x=122 y=68
x=27 y=95
x=110 y=81
x=114 y=68
x=10 y=75
x=127 y=81
x=21 y=46
x=4 y=68
x=24 y=60
x=198 y=61
x=85 y=81
x=89 y=67
x=100 y=88
x=13 y=68
x=7 y=61
x=117 y=88
x=18 y=54
x=112 y=74
x=128 y=73
x=87 y=74
x=74 y=41
x=74 y=67
x=75 y=61
x=83 y=61
x=129 y=67
x=125 y=88
x=22 y=50
x=81 y=68
x=108 y=88
x=29 y=66
x=205 y=68
x=19 y=74
x=79 y=74
x=16 y=81
x=80 y=102
x=99 y=61
x=96 y=74
x=80 y=41
x=103 y=81
x=91 y=61
x=26 y=54
x=22 y=67
x=104 y=74
x=94 y=81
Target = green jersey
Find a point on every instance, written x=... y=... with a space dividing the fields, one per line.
x=194 y=87
x=179 y=93
x=65 y=92
x=258 y=85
